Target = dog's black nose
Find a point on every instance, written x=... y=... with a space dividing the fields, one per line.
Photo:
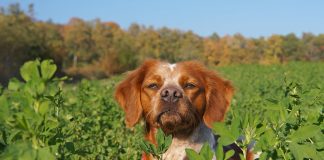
x=171 y=94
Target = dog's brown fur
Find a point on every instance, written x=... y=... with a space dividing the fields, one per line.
x=204 y=98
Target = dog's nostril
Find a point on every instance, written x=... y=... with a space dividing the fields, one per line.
x=171 y=95
x=165 y=93
x=177 y=94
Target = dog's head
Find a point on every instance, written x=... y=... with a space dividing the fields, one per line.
x=175 y=97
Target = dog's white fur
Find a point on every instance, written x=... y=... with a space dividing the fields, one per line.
x=195 y=141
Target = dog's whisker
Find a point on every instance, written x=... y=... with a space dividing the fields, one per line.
x=148 y=113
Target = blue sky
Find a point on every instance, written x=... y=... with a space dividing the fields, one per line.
x=252 y=18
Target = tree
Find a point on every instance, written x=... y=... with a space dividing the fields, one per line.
x=319 y=44
x=190 y=47
x=147 y=43
x=272 y=50
x=291 y=48
x=77 y=37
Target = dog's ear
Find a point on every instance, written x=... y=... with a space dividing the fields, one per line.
x=128 y=93
x=219 y=93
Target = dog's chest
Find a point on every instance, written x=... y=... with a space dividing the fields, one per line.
x=177 y=150
x=201 y=135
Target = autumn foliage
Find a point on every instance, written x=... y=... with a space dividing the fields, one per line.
x=96 y=49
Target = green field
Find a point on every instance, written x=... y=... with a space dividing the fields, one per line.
x=278 y=106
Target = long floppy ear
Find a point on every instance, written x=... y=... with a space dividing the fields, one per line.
x=128 y=93
x=219 y=93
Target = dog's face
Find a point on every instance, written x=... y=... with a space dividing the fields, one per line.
x=175 y=97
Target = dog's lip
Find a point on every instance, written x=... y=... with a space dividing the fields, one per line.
x=158 y=119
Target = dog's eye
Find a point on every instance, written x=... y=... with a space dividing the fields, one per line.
x=189 y=86
x=153 y=86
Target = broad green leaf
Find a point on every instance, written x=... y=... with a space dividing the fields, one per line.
x=40 y=88
x=261 y=130
x=307 y=151
x=222 y=130
x=144 y=146
x=263 y=156
x=14 y=84
x=229 y=154
x=22 y=122
x=241 y=156
x=319 y=140
x=28 y=154
x=168 y=140
x=193 y=155
x=266 y=141
x=43 y=108
x=219 y=152
x=245 y=121
x=4 y=108
x=296 y=151
x=226 y=140
x=52 y=123
x=274 y=107
x=206 y=152
x=149 y=148
x=30 y=71
x=45 y=152
x=160 y=137
x=283 y=114
x=48 y=69
x=163 y=141
x=311 y=151
x=22 y=150
x=153 y=149
x=235 y=127
x=304 y=132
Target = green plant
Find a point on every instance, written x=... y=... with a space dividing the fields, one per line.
x=279 y=119
x=29 y=120
x=163 y=143
x=277 y=107
x=296 y=130
x=206 y=153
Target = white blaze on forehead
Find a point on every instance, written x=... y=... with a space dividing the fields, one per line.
x=172 y=66
x=169 y=74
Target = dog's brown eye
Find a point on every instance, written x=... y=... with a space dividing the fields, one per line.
x=189 y=86
x=153 y=86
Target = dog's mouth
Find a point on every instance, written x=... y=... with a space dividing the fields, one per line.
x=169 y=121
x=166 y=112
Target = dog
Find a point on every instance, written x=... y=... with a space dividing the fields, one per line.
x=183 y=99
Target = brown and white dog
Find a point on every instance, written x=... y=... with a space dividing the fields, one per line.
x=184 y=99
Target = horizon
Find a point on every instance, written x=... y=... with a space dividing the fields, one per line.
x=252 y=20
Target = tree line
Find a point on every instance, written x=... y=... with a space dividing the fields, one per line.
x=96 y=49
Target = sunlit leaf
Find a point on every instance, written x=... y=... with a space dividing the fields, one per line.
x=229 y=154
x=193 y=155
x=30 y=70
x=48 y=69
x=304 y=132
x=206 y=152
